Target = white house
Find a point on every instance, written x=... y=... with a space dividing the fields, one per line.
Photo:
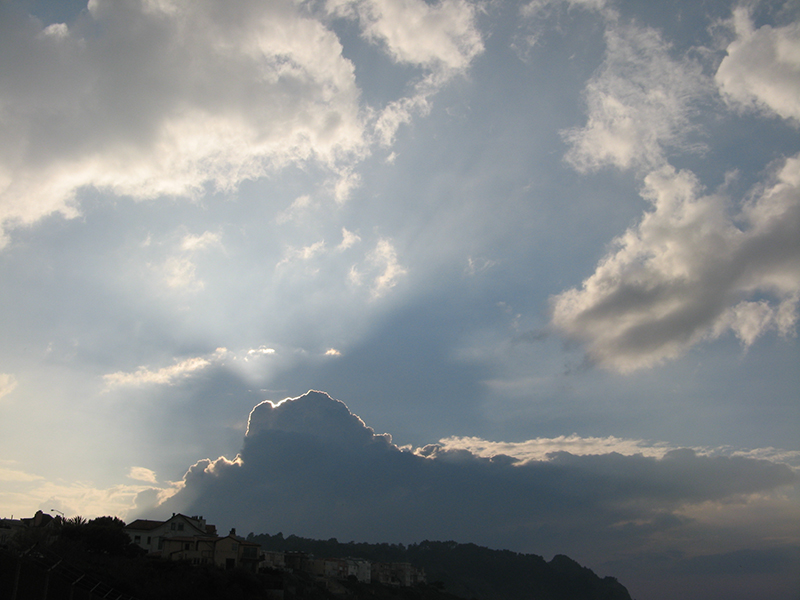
x=150 y=535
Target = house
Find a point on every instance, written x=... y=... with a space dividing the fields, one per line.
x=150 y=535
x=234 y=551
x=344 y=568
x=228 y=552
x=402 y=574
x=273 y=560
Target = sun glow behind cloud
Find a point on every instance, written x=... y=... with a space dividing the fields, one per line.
x=449 y=213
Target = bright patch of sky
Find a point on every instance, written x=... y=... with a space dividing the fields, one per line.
x=503 y=228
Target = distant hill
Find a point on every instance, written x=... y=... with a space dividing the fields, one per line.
x=470 y=571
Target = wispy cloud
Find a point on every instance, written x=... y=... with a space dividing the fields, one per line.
x=384 y=258
x=7 y=384
x=640 y=103
x=143 y=474
x=7 y=474
x=544 y=448
x=304 y=254
x=349 y=239
x=165 y=375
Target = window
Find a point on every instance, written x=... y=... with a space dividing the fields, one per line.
x=137 y=539
x=172 y=526
x=148 y=540
x=180 y=526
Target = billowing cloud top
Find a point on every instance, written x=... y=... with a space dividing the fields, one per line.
x=697 y=264
x=315 y=415
x=311 y=467
x=147 y=99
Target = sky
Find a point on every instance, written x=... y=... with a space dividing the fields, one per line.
x=549 y=248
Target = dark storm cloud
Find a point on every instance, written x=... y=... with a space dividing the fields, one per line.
x=311 y=467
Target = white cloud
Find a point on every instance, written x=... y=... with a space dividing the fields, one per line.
x=165 y=375
x=194 y=243
x=7 y=474
x=304 y=253
x=640 y=103
x=349 y=239
x=143 y=474
x=298 y=207
x=535 y=7
x=762 y=67
x=171 y=99
x=401 y=111
x=7 y=384
x=164 y=99
x=79 y=498
x=346 y=182
x=689 y=271
x=384 y=258
x=542 y=448
x=260 y=351
x=478 y=265
x=439 y=35
x=180 y=273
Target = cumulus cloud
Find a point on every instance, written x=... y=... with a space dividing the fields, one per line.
x=148 y=99
x=310 y=467
x=441 y=35
x=762 y=68
x=640 y=103
x=690 y=270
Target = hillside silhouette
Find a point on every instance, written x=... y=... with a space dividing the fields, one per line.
x=83 y=559
x=469 y=570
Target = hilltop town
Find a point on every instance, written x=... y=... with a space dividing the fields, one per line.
x=48 y=558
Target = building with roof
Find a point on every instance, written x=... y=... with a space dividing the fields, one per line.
x=150 y=535
x=228 y=552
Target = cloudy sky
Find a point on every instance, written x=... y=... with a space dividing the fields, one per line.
x=561 y=231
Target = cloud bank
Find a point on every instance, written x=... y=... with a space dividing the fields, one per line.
x=149 y=99
x=697 y=264
x=311 y=467
x=690 y=271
